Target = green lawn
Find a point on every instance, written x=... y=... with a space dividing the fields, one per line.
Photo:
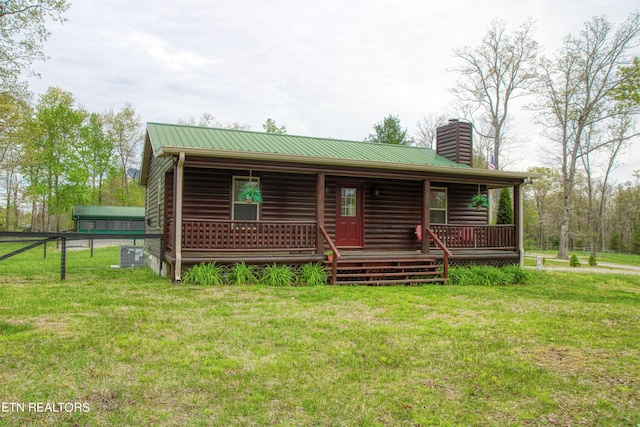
x=608 y=257
x=138 y=350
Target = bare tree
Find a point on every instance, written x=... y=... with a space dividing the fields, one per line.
x=426 y=136
x=574 y=98
x=500 y=69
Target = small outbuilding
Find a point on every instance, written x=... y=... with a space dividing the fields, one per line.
x=108 y=219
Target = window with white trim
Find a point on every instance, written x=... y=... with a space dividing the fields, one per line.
x=244 y=209
x=438 y=205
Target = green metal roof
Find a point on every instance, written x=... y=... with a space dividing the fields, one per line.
x=128 y=212
x=165 y=139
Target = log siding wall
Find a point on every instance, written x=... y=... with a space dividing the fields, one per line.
x=155 y=202
x=390 y=218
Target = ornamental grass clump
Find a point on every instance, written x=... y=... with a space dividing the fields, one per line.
x=312 y=275
x=277 y=275
x=208 y=274
x=242 y=274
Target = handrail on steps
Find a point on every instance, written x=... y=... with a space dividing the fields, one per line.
x=336 y=255
x=446 y=253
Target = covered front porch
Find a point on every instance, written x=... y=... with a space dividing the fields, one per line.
x=298 y=242
x=380 y=227
x=228 y=196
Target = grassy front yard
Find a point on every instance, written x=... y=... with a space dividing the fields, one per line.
x=138 y=350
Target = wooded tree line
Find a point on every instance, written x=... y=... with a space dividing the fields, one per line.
x=585 y=97
x=603 y=218
x=55 y=154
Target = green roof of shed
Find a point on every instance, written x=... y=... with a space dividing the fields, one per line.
x=123 y=212
x=179 y=137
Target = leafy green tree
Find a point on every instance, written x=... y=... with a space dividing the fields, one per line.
x=505 y=207
x=124 y=130
x=209 y=120
x=629 y=89
x=113 y=192
x=635 y=241
x=270 y=127
x=22 y=34
x=389 y=131
x=12 y=111
x=615 y=243
x=97 y=153
x=625 y=216
x=55 y=172
x=545 y=193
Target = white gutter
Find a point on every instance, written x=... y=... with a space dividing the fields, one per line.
x=178 y=216
x=329 y=161
x=520 y=203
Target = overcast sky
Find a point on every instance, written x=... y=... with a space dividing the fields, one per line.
x=321 y=68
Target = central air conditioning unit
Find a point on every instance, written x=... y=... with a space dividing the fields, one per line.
x=131 y=256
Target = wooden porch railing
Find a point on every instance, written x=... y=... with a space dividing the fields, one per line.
x=446 y=253
x=227 y=235
x=476 y=236
x=336 y=254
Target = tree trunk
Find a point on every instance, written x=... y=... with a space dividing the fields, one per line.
x=126 y=181
x=563 y=245
x=34 y=214
x=592 y=228
x=8 y=207
x=16 y=218
x=541 y=236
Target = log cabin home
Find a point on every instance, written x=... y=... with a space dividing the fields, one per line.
x=374 y=213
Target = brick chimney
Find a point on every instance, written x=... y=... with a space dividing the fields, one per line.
x=455 y=142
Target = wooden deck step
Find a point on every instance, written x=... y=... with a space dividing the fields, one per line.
x=387 y=273
x=387 y=270
x=392 y=281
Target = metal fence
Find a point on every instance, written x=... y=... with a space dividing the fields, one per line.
x=21 y=242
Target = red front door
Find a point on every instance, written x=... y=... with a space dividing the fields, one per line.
x=349 y=206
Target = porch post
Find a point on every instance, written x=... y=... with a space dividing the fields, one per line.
x=426 y=216
x=178 y=191
x=320 y=183
x=518 y=221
